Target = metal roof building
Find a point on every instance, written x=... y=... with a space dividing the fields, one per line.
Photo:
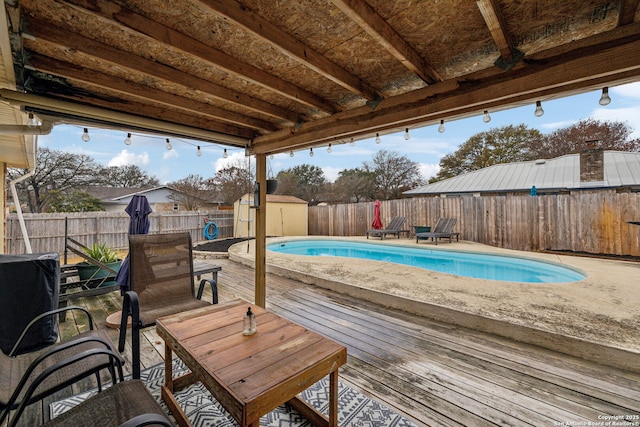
x=592 y=169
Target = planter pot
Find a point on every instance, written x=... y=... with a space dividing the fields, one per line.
x=91 y=272
x=272 y=186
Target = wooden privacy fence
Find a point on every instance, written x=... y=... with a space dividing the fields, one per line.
x=47 y=231
x=594 y=223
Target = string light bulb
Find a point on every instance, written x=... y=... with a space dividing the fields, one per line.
x=168 y=144
x=406 y=134
x=198 y=152
x=378 y=140
x=329 y=148
x=310 y=152
x=224 y=154
x=605 y=99
x=85 y=135
x=441 y=127
x=352 y=142
x=32 y=122
x=291 y=153
x=539 y=111
x=486 y=117
x=127 y=140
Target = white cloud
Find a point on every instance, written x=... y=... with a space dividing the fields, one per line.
x=233 y=159
x=125 y=157
x=170 y=154
x=331 y=173
x=630 y=115
x=429 y=171
x=631 y=90
x=558 y=125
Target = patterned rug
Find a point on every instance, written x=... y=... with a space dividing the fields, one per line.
x=354 y=408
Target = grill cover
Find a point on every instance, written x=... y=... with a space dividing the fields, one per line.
x=29 y=286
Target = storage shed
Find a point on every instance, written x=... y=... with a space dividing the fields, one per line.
x=286 y=216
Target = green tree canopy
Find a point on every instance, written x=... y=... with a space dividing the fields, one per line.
x=73 y=201
x=232 y=182
x=191 y=192
x=354 y=185
x=303 y=181
x=588 y=133
x=393 y=174
x=55 y=171
x=127 y=176
x=499 y=145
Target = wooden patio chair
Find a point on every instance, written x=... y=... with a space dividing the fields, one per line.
x=394 y=227
x=161 y=284
x=442 y=229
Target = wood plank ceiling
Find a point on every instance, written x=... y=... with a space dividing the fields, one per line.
x=279 y=75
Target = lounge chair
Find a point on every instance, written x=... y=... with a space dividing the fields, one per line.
x=394 y=227
x=161 y=284
x=443 y=229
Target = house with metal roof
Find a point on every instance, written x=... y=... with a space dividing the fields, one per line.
x=589 y=170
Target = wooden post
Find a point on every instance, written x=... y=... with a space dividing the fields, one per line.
x=261 y=233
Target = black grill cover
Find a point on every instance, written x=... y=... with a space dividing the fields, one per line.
x=29 y=286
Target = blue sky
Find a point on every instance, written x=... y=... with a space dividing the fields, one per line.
x=426 y=145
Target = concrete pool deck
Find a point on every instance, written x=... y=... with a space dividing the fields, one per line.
x=602 y=309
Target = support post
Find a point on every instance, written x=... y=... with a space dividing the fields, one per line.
x=261 y=233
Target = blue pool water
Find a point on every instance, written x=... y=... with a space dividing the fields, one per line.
x=481 y=266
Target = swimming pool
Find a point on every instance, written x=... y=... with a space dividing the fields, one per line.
x=481 y=266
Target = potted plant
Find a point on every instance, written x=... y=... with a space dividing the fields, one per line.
x=101 y=252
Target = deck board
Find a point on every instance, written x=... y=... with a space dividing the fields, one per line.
x=434 y=373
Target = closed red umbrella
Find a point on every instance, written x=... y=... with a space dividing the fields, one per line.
x=376 y=224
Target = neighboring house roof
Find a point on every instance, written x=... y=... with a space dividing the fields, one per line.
x=279 y=198
x=621 y=169
x=110 y=195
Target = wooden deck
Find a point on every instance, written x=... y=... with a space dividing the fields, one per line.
x=436 y=374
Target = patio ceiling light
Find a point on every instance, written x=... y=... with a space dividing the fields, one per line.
x=486 y=117
x=85 y=135
x=605 y=99
x=441 y=127
x=539 y=111
x=127 y=140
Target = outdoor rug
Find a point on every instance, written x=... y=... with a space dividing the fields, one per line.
x=355 y=409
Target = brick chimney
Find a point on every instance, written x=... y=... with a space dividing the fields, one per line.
x=592 y=163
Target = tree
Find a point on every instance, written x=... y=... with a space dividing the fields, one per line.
x=55 y=171
x=73 y=201
x=354 y=185
x=499 y=145
x=303 y=181
x=393 y=174
x=127 y=176
x=588 y=133
x=191 y=192
x=232 y=182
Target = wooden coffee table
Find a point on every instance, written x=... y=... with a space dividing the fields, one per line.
x=249 y=375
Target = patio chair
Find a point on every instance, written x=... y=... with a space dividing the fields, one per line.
x=126 y=404
x=161 y=284
x=394 y=227
x=31 y=377
x=442 y=229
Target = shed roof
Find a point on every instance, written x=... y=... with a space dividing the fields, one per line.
x=621 y=169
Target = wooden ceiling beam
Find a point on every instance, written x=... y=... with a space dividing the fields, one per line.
x=112 y=12
x=103 y=52
x=290 y=46
x=370 y=21
x=596 y=63
x=628 y=10
x=509 y=55
x=94 y=78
